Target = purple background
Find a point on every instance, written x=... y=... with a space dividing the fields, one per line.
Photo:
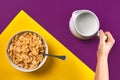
x=54 y=16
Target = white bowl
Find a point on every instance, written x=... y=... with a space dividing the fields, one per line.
x=20 y=68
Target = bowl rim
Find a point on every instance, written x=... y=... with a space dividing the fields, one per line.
x=20 y=68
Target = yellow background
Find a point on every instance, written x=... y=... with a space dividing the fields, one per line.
x=53 y=69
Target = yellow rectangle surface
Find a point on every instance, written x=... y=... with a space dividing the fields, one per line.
x=54 y=69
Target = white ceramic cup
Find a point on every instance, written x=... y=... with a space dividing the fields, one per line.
x=84 y=24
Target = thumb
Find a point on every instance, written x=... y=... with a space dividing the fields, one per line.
x=102 y=36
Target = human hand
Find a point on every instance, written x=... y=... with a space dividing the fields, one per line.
x=105 y=45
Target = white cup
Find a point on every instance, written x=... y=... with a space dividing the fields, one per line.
x=84 y=24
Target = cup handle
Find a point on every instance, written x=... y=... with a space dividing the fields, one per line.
x=98 y=35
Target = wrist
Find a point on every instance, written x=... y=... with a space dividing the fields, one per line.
x=102 y=58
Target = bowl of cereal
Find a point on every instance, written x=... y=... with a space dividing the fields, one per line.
x=25 y=51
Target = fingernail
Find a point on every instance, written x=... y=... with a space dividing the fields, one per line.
x=101 y=30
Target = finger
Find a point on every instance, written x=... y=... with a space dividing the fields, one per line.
x=110 y=37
